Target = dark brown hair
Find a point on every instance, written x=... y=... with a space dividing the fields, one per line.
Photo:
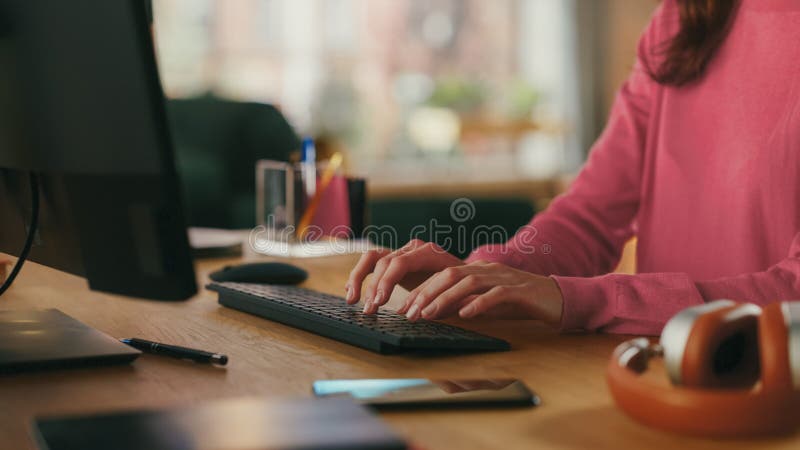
x=704 y=25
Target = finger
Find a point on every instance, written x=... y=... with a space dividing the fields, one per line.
x=374 y=297
x=484 y=302
x=480 y=262
x=398 y=268
x=433 y=259
x=412 y=306
x=418 y=258
x=398 y=265
x=457 y=307
x=450 y=311
x=468 y=285
x=413 y=295
x=364 y=266
x=439 y=283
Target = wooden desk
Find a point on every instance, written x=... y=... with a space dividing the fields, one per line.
x=270 y=360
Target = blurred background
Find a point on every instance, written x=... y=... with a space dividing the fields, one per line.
x=438 y=99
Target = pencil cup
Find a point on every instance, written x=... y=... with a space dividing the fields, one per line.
x=279 y=198
x=290 y=197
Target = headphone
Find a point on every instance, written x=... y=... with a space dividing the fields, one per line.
x=734 y=370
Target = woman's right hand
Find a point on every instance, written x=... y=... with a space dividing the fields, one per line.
x=408 y=267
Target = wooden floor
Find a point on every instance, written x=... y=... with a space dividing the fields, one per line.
x=271 y=360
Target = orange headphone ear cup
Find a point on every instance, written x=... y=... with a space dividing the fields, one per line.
x=776 y=374
x=722 y=349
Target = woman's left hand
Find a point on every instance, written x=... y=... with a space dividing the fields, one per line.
x=485 y=289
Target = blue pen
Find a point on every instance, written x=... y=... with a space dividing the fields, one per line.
x=308 y=158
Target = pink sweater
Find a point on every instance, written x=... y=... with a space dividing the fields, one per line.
x=706 y=175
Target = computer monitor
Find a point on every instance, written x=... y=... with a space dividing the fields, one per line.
x=81 y=107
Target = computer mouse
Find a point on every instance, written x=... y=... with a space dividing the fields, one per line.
x=265 y=273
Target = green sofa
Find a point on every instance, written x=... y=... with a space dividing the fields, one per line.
x=217 y=143
x=462 y=224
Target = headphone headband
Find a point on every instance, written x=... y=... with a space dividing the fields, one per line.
x=702 y=412
x=712 y=346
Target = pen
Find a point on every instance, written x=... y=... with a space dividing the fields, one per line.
x=308 y=158
x=176 y=351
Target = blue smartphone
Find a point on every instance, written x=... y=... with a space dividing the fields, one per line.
x=430 y=393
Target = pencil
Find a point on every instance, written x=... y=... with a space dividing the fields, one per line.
x=327 y=176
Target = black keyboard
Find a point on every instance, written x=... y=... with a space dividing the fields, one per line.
x=329 y=316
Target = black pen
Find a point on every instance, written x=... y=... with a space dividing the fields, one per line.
x=176 y=352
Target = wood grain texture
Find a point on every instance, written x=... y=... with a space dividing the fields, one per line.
x=271 y=360
x=5 y=268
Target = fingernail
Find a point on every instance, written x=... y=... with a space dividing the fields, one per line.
x=430 y=310
x=467 y=311
x=409 y=302
x=412 y=312
x=379 y=297
x=366 y=306
x=401 y=310
x=350 y=293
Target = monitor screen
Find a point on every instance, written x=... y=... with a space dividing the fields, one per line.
x=81 y=106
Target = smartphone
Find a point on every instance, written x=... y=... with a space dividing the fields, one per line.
x=434 y=393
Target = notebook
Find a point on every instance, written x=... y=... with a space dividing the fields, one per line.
x=238 y=424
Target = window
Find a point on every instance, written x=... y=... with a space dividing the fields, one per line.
x=406 y=87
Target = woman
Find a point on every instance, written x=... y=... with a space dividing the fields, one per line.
x=699 y=159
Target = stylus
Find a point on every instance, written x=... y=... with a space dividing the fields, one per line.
x=175 y=351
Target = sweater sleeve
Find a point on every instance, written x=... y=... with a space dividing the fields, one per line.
x=642 y=304
x=583 y=231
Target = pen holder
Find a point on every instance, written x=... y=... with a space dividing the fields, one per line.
x=285 y=194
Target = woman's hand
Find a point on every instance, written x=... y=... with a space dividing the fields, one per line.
x=485 y=289
x=408 y=267
x=442 y=285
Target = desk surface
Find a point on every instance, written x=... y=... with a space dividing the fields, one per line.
x=272 y=360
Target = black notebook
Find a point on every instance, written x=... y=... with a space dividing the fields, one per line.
x=46 y=339
x=240 y=424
